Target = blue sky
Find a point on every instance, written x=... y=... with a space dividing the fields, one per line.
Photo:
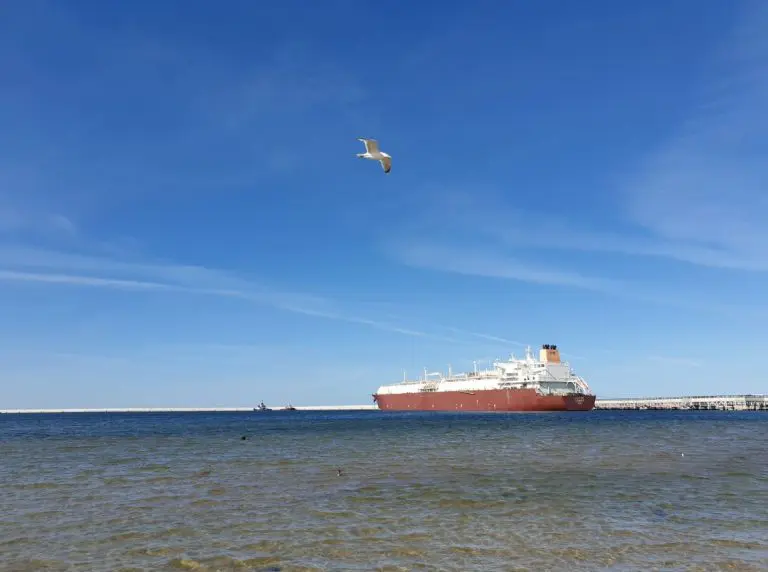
x=183 y=221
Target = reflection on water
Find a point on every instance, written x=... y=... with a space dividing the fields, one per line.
x=584 y=491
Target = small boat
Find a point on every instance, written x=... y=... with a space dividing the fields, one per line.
x=289 y=408
x=262 y=407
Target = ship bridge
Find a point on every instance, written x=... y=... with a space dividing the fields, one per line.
x=547 y=368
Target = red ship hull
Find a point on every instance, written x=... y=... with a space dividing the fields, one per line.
x=484 y=400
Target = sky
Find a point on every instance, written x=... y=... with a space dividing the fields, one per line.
x=183 y=220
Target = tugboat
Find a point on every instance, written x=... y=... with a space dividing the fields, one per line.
x=262 y=408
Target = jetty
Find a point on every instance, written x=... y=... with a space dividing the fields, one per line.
x=192 y=409
x=690 y=403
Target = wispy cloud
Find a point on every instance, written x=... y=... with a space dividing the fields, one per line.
x=21 y=264
x=492 y=261
x=699 y=197
x=11 y=276
x=479 y=263
x=702 y=194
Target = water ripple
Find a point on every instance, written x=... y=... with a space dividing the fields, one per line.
x=600 y=491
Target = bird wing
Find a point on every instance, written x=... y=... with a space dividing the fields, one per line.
x=371 y=145
x=386 y=164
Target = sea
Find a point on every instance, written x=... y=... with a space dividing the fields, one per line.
x=370 y=490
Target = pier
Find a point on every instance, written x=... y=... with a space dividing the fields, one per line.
x=692 y=403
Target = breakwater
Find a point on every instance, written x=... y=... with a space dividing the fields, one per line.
x=191 y=409
x=694 y=403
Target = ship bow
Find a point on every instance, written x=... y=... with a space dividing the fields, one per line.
x=580 y=402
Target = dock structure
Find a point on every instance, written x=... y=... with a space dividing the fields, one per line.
x=695 y=402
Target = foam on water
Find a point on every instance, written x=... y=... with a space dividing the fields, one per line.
x=587 y=491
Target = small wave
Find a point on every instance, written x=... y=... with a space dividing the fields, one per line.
x=490 y=493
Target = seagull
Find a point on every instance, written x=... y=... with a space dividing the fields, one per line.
x=372 y=152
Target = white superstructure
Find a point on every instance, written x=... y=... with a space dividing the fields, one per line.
x=547 y=375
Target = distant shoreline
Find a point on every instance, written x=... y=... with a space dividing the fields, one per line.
x=189 y=409
x=748 y=402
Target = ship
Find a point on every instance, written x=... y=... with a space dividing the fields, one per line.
x=516 y=384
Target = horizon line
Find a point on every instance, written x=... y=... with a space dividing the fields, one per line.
x=275 y=408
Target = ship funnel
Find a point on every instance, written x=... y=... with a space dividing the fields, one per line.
x=549 y=354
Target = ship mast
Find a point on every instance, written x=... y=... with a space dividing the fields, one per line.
x=528 y=353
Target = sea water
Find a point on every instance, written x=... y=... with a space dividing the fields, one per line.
x=416 y=491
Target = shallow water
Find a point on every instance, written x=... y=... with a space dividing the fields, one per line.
x=573 y=491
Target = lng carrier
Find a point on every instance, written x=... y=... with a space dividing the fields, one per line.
x=526 y=384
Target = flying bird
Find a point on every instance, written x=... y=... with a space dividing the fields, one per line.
x=372 y=152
